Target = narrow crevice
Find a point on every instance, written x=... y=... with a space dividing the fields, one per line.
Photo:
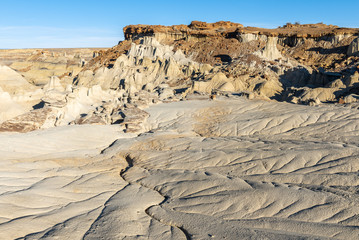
x=130 y=164
x=129 y=161
x=187 y=234
x=109 y=146
x=101 y=213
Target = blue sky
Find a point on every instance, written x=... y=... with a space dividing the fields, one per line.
x=99 y=23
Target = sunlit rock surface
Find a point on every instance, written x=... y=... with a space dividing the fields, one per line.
x=229 y=168
x=200 y=131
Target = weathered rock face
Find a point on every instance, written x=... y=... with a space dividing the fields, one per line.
x=195 y=30
x=54 y=83
x=149 y=64
x=307 y=64
x=321 y=50
x=28 y=121
x=270 y=51
x=59 y=107
x=145 y=66
x=309 y=44
x=353 y=48
x=229 y=168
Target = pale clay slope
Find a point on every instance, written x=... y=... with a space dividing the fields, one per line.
x=230 y=168
x=16 y=94
x=13 y=82
x=143 y=76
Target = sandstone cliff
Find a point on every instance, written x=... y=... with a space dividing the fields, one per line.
x=225 y=56
x=310 y=40
x=306 y=64
x=207 y=163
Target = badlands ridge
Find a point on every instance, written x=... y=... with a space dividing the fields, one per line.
x=200 y=131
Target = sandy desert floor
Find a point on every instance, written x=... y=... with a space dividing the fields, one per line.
x=225 y=169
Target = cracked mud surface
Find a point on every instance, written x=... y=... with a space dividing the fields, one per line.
x=231 y=168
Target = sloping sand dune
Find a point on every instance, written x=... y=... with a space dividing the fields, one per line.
x=229 y=168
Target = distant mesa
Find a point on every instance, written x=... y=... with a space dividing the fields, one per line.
x=226 y=28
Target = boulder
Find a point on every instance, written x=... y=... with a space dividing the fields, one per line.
x=90 y=119
x=322 y=94
x=351 y=98
x=338 y=83
x=165 y=93
x=30 y=121
x=133 y=118
x=351 y=80
x=54 y=98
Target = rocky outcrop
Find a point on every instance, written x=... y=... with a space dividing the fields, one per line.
x=198 y=29
x=145 y=66
x=17 y=96
x=206 y=43
x=60 y=107
x=150 y=64
x=27 y=122
x=319 y=49
x=353 y=48
x=306 y=64
x=293 y=34
x=270 y=51
x=195 y=30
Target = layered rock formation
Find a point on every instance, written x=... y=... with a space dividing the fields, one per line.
x=145 y=66
x=271 y=51
x=179 y=133
x=306 y=64
x=196 y=30
x=38 y=65
x=309 y=60
x=353 y=48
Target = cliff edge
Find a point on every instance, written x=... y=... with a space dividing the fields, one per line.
x=300 y=63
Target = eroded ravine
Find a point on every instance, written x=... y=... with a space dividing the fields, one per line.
x=124 y=214
x=277 y=178
x=130 y=180
x=232 y=183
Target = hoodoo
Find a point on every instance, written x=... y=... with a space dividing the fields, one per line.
x=353 y=48
x=198 y=131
